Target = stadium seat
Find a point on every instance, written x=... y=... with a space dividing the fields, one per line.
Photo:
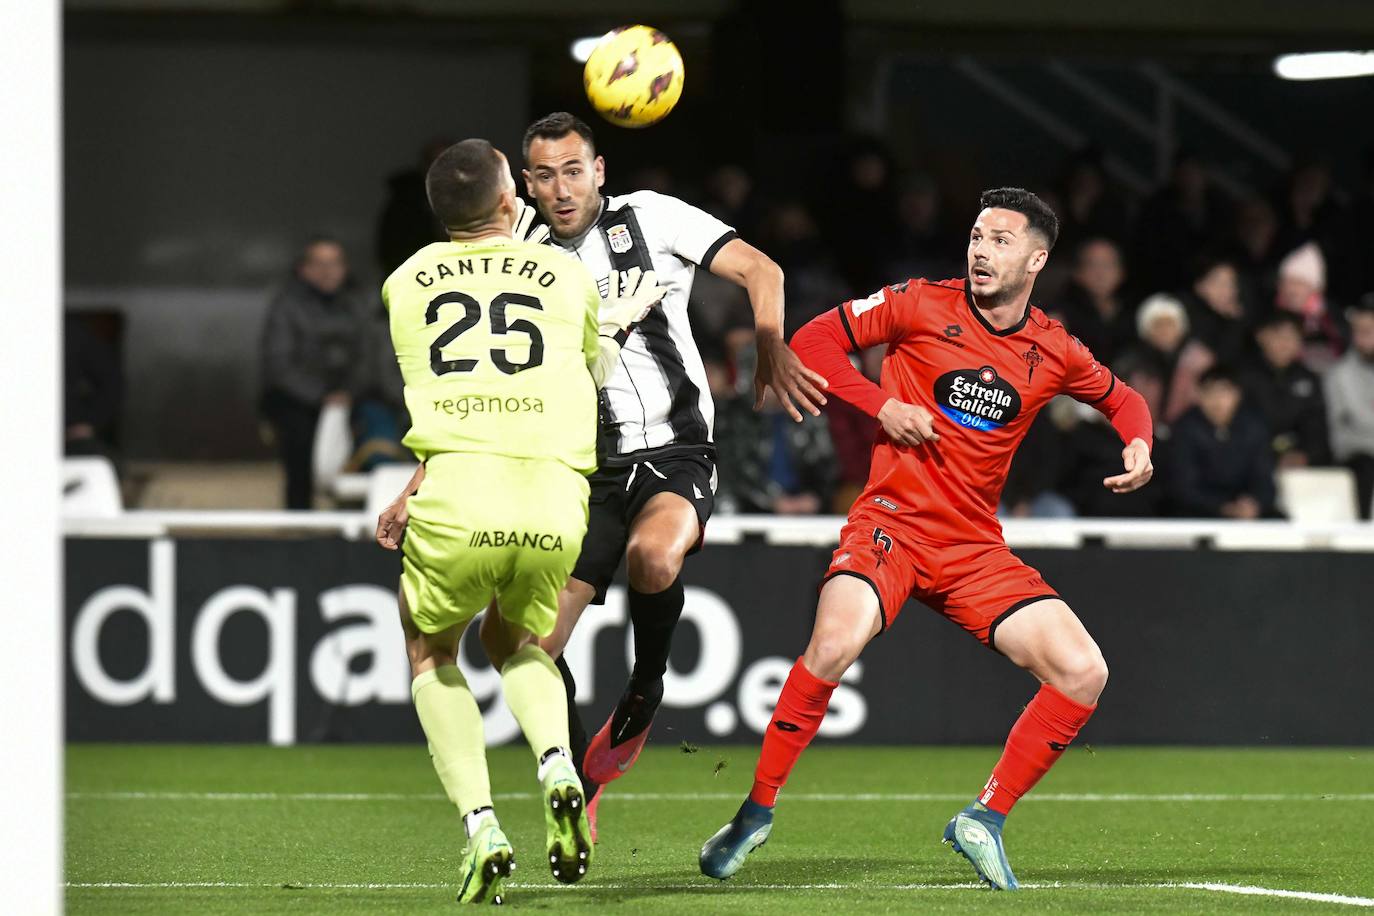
x=383 y=484
x=90 y=488
x=1317 y=494
x=351 y=489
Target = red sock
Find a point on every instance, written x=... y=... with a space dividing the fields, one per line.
x=1037 y=740
x=801 y=706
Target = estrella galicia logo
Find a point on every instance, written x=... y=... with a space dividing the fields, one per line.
x=977 y=398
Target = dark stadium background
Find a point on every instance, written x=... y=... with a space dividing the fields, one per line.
x=204 y=142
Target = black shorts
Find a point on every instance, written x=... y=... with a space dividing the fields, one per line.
x=620 y=493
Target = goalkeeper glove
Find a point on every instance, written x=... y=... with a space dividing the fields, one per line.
x=637 y=293
x=525 y=229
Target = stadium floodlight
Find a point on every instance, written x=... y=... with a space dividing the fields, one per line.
x=581 y=49
x=1324 y=65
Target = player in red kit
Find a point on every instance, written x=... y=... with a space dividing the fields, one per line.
x=969 y=363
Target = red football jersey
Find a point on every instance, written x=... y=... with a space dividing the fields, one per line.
x=983 y=387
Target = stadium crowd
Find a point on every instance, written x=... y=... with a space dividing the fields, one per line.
x=1248 y=325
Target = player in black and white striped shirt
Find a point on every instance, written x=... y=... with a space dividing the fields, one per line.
x=655 y=488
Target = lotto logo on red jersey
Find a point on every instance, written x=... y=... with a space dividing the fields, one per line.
x=977 y=398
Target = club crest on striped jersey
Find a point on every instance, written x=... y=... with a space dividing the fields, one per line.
x=620 y=239
x=977 y=398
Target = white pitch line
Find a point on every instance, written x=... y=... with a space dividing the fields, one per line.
x=724 y=796
x=1274 y=892
x=1244 y=889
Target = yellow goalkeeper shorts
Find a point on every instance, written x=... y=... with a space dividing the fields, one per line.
x=484 y=527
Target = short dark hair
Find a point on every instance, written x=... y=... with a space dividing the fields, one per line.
x=1038 y=214
x=1219 y=372
x=319 y=238
x=554 y=127
x=1204 y=262
x=1092 y=240
x=464 y=183
x=1279 y=319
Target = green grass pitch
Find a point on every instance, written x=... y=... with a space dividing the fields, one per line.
x=364 y=829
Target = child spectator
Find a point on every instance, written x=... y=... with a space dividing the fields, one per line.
x=1220 y=464
x=1287 y=393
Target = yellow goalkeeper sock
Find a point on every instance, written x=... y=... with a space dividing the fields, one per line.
x=453 y=725
x=534 y=692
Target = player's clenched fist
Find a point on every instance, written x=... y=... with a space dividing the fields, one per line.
x=391 y=524
x=907 y=424
x=1139 y=469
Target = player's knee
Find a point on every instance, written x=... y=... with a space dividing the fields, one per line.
x=830 y=654
x=652 y=567
x=1084 y=675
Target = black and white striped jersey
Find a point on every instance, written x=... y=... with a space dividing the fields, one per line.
x=656 y=402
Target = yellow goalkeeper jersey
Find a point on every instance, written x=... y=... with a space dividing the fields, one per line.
x=494 y=338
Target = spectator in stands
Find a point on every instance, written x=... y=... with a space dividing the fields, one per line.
x=1362 y=217
x=1036 y=469
x=314 y=349
x=1350 y=403
x=1220 y=462
x=1251 y=249
x=1167 y=353
x=811 y=278
x=407 y=223
x=923 y=248
x=730 y=198
x=1287 y=393
x=1094 y=308
x=1216 y=312
x=1089 y=206
x=860 y=215
x=92 y=384
x=768 y=463
x=1090 y=452
x=1302 y=292
x=1309 y=211
x=1186 y=216
x=379 y=419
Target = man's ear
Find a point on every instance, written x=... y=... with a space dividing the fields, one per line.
x=599 y=170
x=507 y=205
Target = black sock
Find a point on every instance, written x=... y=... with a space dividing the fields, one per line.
x=577 y=733
x=654 y=618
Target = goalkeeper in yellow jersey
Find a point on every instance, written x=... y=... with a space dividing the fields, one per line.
x=501 y=350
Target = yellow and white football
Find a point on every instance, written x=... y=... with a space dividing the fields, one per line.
x=634 y=76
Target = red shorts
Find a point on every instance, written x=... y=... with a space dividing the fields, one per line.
x=976 y=586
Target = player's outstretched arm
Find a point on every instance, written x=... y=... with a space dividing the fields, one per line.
x=779 y=367
x=1122 y=405
x=823 y=347
x=391 y=524
x=1130 y=416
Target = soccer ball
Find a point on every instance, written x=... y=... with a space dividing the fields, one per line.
x=634 y=76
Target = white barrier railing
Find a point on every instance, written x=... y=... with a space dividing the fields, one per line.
x=812 y=530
